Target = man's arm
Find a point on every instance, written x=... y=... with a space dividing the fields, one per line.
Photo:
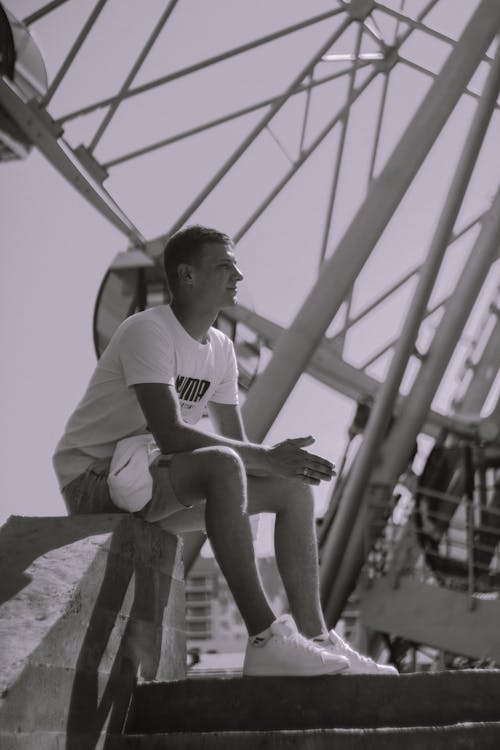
x=227 y=420
x=161 y=409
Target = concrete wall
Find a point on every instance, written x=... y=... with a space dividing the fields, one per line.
x=88 y=605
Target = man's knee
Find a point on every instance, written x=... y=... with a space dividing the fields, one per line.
x=222 y=461
x=218 y=465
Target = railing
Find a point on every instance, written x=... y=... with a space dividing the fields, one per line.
x=447 y=538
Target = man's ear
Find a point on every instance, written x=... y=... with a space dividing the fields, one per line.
x=185 y=273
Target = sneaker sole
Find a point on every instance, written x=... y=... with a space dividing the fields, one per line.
x=294 y=673
x=379 y=673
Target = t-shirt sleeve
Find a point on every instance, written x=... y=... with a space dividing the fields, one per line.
x=227 y=389
x=146 y=354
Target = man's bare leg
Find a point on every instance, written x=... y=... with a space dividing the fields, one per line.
x=295 y=545
x=218 y=475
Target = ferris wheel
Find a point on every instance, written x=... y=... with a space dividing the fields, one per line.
x=353 y=147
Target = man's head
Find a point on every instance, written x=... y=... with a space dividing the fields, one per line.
x=199 y=263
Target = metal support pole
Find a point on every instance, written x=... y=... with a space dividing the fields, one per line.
x=297 y=345
x=338 y=584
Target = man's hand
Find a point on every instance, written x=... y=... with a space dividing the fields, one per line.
x=288 y=459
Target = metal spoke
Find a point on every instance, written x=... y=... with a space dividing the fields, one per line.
x=395 y=340
x=258 y=129
x=280 y=145
x=304 y=156
x=41 y=12
x=430 y=73
x=369 y=308
x=198 y=66
x=74 y=51
x=340 y=151
x=418 y=25
x=306 y=115
x=133 y=72
x=225 y=118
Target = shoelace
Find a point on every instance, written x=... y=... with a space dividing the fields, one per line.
x=340 y=642
x=298 y=641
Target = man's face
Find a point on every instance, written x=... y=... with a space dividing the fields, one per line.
x=216 y=275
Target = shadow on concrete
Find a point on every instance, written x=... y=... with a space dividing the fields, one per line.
x=105 y=677
x=38 y=539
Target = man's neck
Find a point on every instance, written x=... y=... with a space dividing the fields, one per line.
x=195 y=322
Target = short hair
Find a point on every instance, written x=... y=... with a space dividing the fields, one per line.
x=186 y=246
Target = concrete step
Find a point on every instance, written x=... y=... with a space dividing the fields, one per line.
x=271 y=704
x=458 y=737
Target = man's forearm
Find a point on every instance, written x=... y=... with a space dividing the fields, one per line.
x=186 y=438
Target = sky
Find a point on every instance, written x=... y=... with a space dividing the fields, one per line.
x=56 y=248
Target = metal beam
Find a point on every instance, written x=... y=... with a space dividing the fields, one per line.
x=296 y=346
x=329 y=368
x=397 y=447
x=44 y=134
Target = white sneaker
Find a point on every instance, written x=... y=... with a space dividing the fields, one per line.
x=358 y=664
x=287 y=653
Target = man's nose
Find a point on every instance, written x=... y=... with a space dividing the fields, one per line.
x=237 y=273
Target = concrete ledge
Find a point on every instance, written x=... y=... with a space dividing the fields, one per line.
x=88 y=605
x=459 y=737
x=302 y=703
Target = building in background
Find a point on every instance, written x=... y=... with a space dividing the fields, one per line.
x=213 y=622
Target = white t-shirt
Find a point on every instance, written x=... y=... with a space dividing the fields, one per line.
x=148 y=347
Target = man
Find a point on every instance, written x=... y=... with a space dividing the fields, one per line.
x=162 y=368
